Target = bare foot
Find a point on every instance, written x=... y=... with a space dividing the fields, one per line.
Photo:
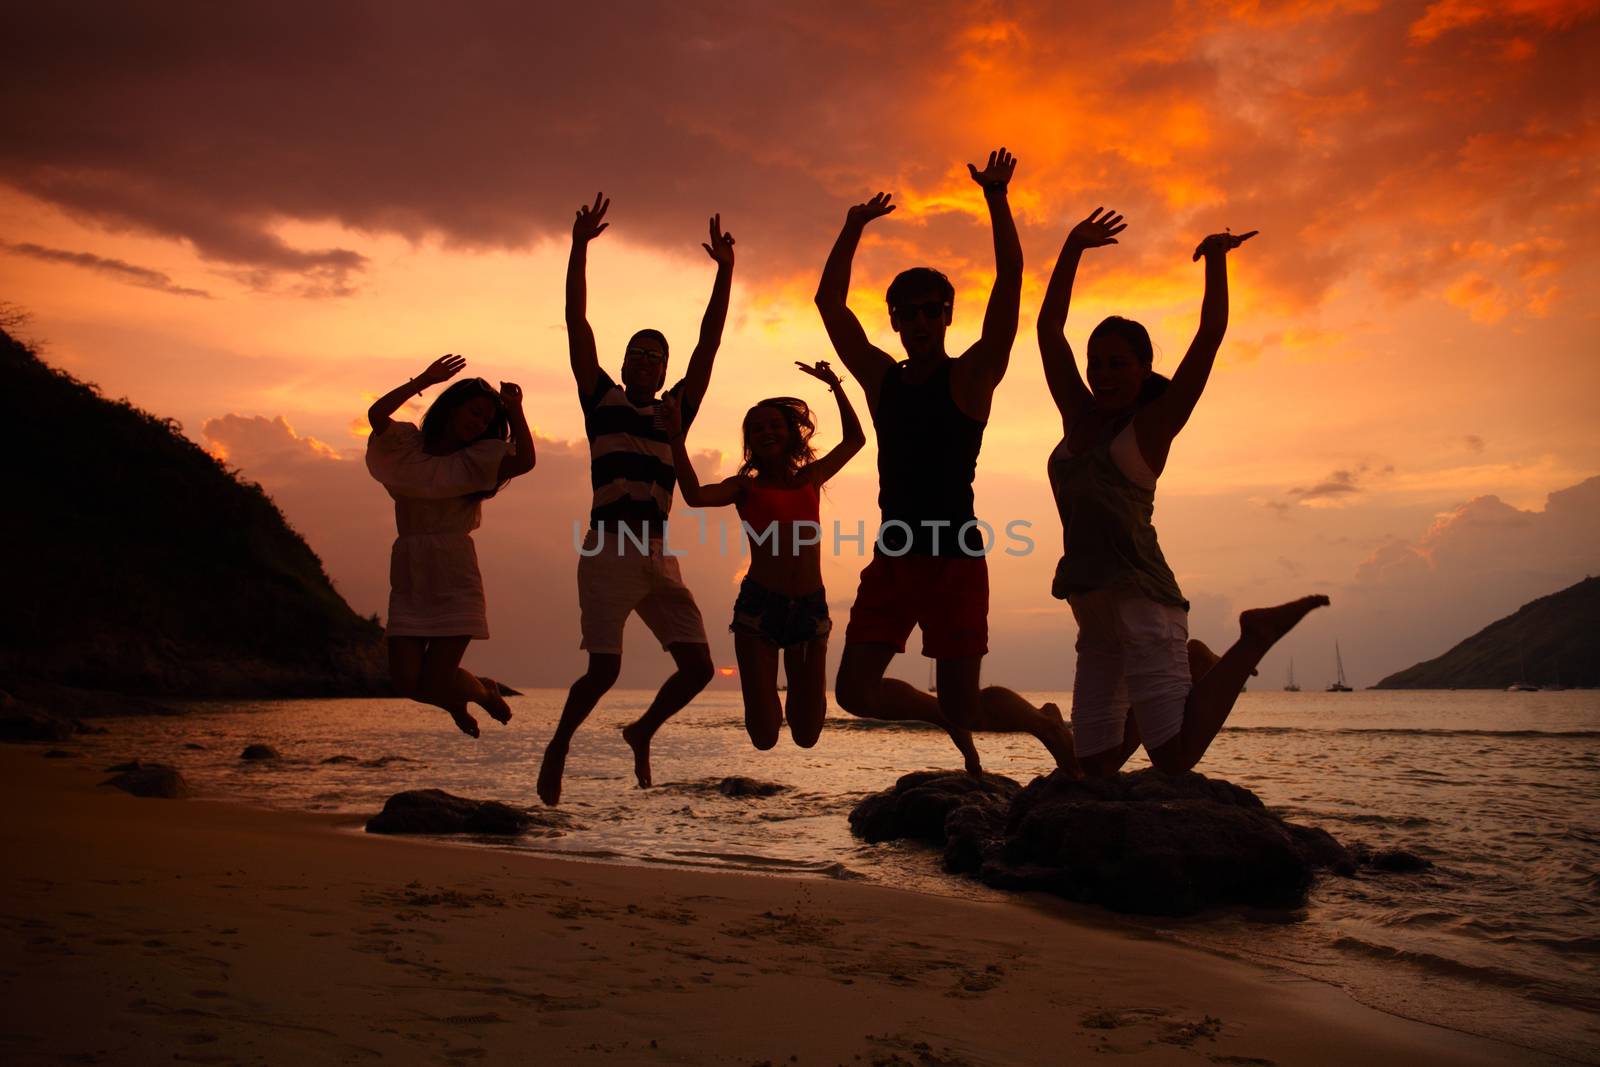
x=550 y=770
x=465 y=721
x=1057 y=737
x=1267 y=625
x=969 y=751
x=640 y=743
x=493 y=702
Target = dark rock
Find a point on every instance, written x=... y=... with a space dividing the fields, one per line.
x=60 y=753
x=507 y=691
x=731 y=786
x=151 y=780
x=739 y=786
x=23 y=721
x=257 y=752
x=193 y=747
x=920 y=803
x=1146 y=842
x=341 y=758
x=1390 y=860
x=433 y=811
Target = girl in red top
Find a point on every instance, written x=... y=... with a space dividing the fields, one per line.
x=781 y=605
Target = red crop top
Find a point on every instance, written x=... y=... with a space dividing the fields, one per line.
x=764 y=505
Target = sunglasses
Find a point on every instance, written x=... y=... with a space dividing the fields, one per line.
x=649 y=355
x=933 y=309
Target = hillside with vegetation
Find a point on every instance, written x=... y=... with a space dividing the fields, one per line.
x=136 y=562
x=1553 y=641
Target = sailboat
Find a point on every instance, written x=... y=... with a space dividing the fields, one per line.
x=1338 y=685
x=1291 y=687
x=1521 y=685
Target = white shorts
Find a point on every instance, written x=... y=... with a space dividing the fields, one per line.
x=1132 y=655
x=612 y=586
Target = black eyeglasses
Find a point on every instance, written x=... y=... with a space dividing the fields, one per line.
x=648 y=354
x=932 y=309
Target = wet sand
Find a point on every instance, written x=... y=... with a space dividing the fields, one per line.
x=139 y=930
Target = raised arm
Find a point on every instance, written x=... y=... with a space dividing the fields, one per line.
x=694 y=495
x=1160 y=420
x=522 y=461
x=1072 y=397
x=820 y=470
x=440 y=370
x=589 y=224
x=861 y=357
x=697 y=379
x=989 y=357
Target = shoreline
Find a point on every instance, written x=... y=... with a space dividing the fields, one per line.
x=216 y=931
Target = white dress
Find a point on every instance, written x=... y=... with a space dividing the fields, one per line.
x=435 y=589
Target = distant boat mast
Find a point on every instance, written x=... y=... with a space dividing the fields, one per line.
x=1339 y=685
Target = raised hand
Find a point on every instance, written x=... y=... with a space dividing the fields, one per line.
x=511 y=395
x=669 y=415
x=821 y=371
x=1096 y=231
x=721 y=247
x=876 y=208
x=1220 y=244
x=997 y=174
x=441 y=370
x=590 y=221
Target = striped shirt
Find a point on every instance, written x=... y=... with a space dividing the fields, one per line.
x=630 y=459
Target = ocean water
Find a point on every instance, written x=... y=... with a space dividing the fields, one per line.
x=1500 y=790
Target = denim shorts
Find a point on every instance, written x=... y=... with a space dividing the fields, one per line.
x=783 y=620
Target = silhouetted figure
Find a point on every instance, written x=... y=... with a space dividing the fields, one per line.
x=1134 y=657
x=928 y=567
x=782 y=606
x=473 y=440
x=622 y=568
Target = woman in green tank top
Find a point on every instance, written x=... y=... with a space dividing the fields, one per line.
x=1138 y=679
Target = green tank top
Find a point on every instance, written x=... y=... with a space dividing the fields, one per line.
x=1108 y=538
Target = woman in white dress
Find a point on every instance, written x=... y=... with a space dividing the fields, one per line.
x=473 y=440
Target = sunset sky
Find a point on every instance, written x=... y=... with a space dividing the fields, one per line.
x=256 y=218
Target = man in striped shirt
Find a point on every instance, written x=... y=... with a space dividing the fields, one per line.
x=622 y=568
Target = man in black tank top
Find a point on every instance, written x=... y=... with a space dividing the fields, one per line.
x=929 y=566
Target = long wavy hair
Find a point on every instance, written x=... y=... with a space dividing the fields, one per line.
x=436 y=423
x=797 y=415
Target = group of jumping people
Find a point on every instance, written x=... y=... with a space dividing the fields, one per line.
x=1140 y=679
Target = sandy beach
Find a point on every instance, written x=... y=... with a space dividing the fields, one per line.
x=141 y=930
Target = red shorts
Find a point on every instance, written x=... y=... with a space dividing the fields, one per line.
x=948 y=596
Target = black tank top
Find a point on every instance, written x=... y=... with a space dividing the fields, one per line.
x=927 y=458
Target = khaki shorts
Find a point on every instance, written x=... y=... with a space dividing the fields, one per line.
x=612 y=586
x=1133 y=657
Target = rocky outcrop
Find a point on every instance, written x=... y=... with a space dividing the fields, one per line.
x=433 y=811
x=150 y=780
x=258 y=752
x=920 y=804
x=23 y=721
x=1144 y=843
x=1550 y=641
x=153 y=568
